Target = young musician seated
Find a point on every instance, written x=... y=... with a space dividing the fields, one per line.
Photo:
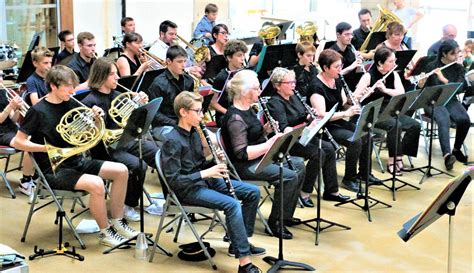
x=67 y=45
x=244 y=137
x=384 y=61
x=82 y=61
x=168 y=85
x=220 y=34
x=305 y=70
x=288 y=110
x=199 y=182
x=76 y=173
x=326 y=92
x=129 y=62
x=103 y=81
x=234 y=52
x=453 y=111
x=35 y=87
x=8 y=130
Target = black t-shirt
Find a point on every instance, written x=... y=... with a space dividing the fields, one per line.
x=454 y=73
x=7 y=125
x=80 y=67
x=304 y=78
x=331 y=96
x=241 y=129
x=40 y=123
x=375 y=75
x=288 y=113
x=63 y=55
x=348 y=57
x=36 y=84
x=103 y=101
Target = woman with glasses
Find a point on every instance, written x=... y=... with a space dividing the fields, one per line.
x=326 y=91
x=245 y=139
x=453 y=111
x=289 y=111
x=221 y=34
x=384 y=61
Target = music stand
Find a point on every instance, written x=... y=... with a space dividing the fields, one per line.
x=375 y=39
x=404 y=58
x=126 y=81
x=397 y=106
x=433 y=96
x=445 y=203
x=367 y=118
x=276 y=55
x=137 y=126
x=144 y=81
x=276 y=155
x=304 y=141
x=214 y=66
x=26 y=69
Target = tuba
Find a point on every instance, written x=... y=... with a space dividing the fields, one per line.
x=201 y=54
x=306 y=31
x=77 y=127
x=385 y=18
x=269 y=33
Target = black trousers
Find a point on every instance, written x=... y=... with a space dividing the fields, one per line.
x=408 y=144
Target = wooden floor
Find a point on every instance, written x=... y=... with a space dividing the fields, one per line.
x=367 y=247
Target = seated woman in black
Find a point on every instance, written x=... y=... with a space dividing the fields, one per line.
x=129 y=62
x=453 y=111
x=305 y=70
x=244 y=137
x=384 y=61
x=220 y=33
x=326 y=92
x=289 y=111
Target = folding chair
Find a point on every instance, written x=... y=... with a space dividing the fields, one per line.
x=180 y=211
x=261 y=183
x=44 y=190
x=5 y=153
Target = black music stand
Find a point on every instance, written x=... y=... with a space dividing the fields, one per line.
x=137 y=126
x=433 y=96
x=367 y=118
x=214 y=66
x=126 y=81
x=276 y=155
x=275 y=56
x=375 y=39
x=445 y=203
x=404 y=58
x=397 y=106
x=318 y=229
x=146 y=79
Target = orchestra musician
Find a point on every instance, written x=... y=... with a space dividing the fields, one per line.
x=168 y=85
x=220 y=33
x=67 y=45
x=127 y=24
x=8 y=129
x=449 y=32
x=76 y=173
x=244 y=137
x=288 y=111
x=200 y=182
x=394 y=37
x=360 y=34
x=234 y=52
x=129 y=62
x=305 y=70
x=454 y=111
x=326 y=91
x=82 y=61
x=103 y=81
x=42 y=59
x=384 y=62
x=257 y=47
x=168 y=31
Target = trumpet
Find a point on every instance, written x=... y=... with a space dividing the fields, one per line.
x=217 y=159
x=201 y=54
x=156 y=62
x=372 y=88
x=24 y=107
x=78 y=128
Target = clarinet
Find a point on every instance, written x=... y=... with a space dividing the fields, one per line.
x=314 y=115
x=274 y=126
x=348 y=91
x=213 y=149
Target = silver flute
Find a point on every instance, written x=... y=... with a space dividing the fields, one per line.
x=315 y=115
x=373 y=87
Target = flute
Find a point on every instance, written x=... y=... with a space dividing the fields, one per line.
x=372 y=88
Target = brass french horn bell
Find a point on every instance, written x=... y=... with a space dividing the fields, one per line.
x=269 y=33
x=306 y=31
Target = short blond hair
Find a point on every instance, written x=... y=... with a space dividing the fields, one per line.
x=40 y=52
x=185 y=99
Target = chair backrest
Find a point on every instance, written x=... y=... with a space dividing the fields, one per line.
x=161 y=177
x=220 y=142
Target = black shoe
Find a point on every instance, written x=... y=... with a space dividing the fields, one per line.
x=249 y=268
x=350 y=185
x=307 y=202
x=254 y=250
x=336 y=198
x=449 y=161
x=459 y=156
x=372 y=180
x=275 y=228
x=293 y=221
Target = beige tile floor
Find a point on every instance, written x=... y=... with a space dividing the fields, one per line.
x=367 y=247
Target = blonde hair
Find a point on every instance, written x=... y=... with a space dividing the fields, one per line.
x=279 y=74
x=185 y=99
x=240 y=83
x=40 y=52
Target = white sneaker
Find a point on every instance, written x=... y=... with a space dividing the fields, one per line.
x=122 y=227
x=154 y=209
x=27 y=188
x=111 y=237
x=131 y=214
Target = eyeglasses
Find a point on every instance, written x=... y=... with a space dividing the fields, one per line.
x=224 y=32
x=289 y=82
x=198 y=111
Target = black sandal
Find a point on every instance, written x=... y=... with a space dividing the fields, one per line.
x=394 y=168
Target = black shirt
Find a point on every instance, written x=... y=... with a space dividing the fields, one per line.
x=103 y=101
x=40 y=123
x=182 y=160
x=348 y=57
x=331 y=96
x=36 y=84
x=359 y=37
x=80 y=67
x=375 y=75
x=134 y=65
x=241 y=129
x=215 y=65
x=288 y=113
x=63 y=55
x=304 y=78
x=454 y=73
x=168 y=87
x=7 y=125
